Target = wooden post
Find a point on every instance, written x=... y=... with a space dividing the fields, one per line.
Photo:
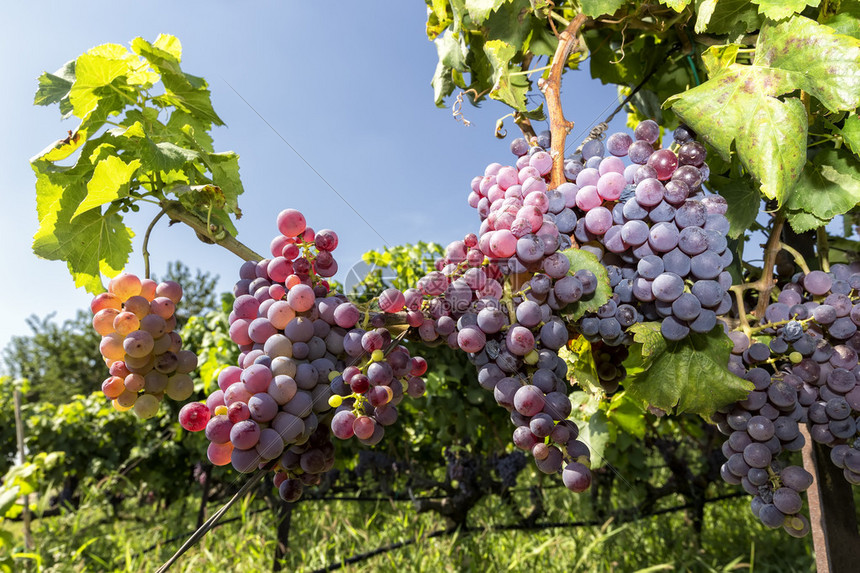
x=285 y=513
x=19 y=431
x=204 y=497
x=831 y=511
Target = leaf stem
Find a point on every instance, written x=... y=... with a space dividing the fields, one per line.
x=559 y=18
x=823 y=249
x=559 y=126
x=145 y=249
x=522 y=121
x=527 y=72
x=177 y=212
x=798 y=258
x=738 y=291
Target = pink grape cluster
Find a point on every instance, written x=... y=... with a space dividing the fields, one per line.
x=296 y=338
x=140 y=347
x=513 y=339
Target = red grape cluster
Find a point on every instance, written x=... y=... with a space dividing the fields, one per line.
x=304 y=351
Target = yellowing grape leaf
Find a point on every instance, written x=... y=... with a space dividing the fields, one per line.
x=507 y=88
x=109 y=182
x=739 y=104
x=95 y=243
x=782 y=9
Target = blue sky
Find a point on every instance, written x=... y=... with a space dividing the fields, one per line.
x=347 y=86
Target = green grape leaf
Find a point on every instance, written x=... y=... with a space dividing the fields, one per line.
x=689 y=376
x=186 y=92
x=732 y=17
x=506 y=87
x=95 y=243
x=581 y=369
x=596 y=433
x=851 y=133
x=743 y=201
x=480 y=9
x=717 y=164
x=847 y=21
x=542 y=41
x=165 y=156
x=224 y=167
x=782 y=9
x=801 y=221
x=99 y=76
x=648 y=335
x=627 y=414
x=48 y=195
x=54 y=88
x=829 y=185
x=536 y=114
x=109 y=182
x=646 y=104
x=738 y=103
x=451 y=51
x=189 y=130
x=676 y=5
x=595 y=8
x=442 y=84
x=512 y=23
x=580 y=259
x=704 y=13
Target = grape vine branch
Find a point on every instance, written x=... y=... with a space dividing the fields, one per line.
x=559 y=126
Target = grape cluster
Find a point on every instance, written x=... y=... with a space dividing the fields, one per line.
x=761 y=428
x=662 y=240
x=807 y=373
x=368 y=392
x=514 y=346
x=140 y=347
x=649 y=222
x=299 y=343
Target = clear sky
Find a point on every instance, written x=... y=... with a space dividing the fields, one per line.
x=347 y=84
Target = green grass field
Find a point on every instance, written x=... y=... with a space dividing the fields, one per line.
x=325 y=532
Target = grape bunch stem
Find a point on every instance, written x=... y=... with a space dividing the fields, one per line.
x=177 y=212
x=559 y=126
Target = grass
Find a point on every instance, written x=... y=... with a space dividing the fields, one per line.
x=324 y=532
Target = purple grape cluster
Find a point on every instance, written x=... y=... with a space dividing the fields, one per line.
x=662 y=240
x=672 y=234
x=759 y=430
x=807 y=373
x=514 y=341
